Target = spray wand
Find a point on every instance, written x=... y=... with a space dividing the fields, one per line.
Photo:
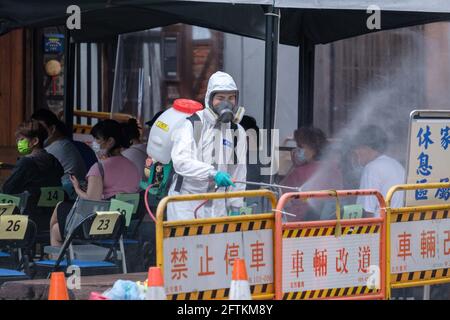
x=261 y=184
x=275 y=186
x=270 y=185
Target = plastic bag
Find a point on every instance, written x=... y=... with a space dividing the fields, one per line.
x=124 y=290
x=142 y=287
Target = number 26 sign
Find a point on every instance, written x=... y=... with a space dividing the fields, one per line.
x=13 y=227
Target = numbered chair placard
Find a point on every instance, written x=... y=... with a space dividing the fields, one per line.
x=7 y=199
x=123 y=208
x=13 y=227
x=132 y=198
x=354 y=211
x=104 y=223
x=245 y=210
x=50 y=196
x=7 y=209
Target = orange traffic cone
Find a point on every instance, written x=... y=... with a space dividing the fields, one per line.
x=240 y=288
x=155 y=285
x=58 y=287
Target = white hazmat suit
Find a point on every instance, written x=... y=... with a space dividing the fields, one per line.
x=198 y=164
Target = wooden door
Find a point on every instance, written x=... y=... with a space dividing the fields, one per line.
x=12 y=94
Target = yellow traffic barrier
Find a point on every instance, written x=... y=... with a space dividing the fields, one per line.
x=303 y=249
x=197 y=256
x=418 y=241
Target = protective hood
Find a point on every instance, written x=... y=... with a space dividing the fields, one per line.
x=220 y=82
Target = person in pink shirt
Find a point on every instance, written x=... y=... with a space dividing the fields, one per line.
x=112 y=174
x=311 y=172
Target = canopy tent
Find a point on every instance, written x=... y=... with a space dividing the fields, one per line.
x=102 y=19
x=305 y=22
x=324 y=26
x=392 y=5
x=307 y=27
x=320 y=21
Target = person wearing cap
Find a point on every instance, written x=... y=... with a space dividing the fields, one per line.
x=209 y=151
x=378 y=171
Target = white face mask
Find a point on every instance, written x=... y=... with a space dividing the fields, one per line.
x=299 y=156
x=95 y=146
x=99 y=151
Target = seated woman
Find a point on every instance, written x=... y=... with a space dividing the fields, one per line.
x=35 y=169
x=113 y=174
x=311 y=172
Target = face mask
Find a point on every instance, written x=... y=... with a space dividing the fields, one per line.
x=298 y=156
x=99 y=151
x=23 y=147
x=224 y=111
x=95 y=146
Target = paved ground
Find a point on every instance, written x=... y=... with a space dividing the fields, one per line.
x=38 y=289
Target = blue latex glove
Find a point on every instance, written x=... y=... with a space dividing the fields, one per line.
x=223 y=179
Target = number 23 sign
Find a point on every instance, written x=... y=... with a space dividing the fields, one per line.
x=104 y=223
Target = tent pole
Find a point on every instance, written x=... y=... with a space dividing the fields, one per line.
x=270 y=76
x=306 y=83
x=270 y=66
x=69 y=66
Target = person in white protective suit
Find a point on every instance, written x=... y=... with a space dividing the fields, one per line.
x=209 y=150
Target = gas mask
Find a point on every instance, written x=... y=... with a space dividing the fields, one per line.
x=224 y=111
